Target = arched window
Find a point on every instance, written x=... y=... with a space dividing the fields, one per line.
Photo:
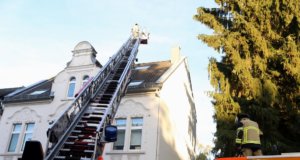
x=85 y=79
x=71 y=87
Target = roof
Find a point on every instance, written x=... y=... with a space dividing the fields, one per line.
x=146 y=75
x=6 y=91
x=83 y=45
x=37 y=91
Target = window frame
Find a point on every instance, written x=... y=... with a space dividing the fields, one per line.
x=85 y=79
x=13 y=132
x=72 y=81
x=128 y=128
x=123 y=128
x=27 y=132
x=138 y=127
x=20 y=143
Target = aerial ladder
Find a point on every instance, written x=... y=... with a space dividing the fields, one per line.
x=81 y=131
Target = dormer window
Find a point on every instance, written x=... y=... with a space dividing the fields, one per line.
x=85 y=79
x=38 y=92
x=135 y=83
x=141 y=67
x=71 y=89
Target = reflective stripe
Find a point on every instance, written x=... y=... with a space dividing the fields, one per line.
x=237 y=139
x=254 y=142
x=245 y=137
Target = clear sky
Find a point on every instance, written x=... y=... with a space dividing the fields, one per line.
x=37 y=37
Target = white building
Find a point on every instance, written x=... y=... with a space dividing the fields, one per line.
x=156 y=118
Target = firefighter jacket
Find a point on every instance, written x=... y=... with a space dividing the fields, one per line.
x=239 y=134
x=251 y=132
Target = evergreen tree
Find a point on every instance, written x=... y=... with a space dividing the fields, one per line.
x=259 y=72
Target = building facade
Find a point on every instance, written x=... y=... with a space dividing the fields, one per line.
x=156 y=118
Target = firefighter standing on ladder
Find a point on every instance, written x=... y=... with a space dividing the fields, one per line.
x=135 y=31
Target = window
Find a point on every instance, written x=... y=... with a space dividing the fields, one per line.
x=136 y=121
x=28 y=134
x=136 y=133
x=14 y=137
x=121 y=124
x=136 y=83
x=19 y=136
x=129 y=136
x=71 y=87
x=37 y=92
x=85 y=79
x=141 y=67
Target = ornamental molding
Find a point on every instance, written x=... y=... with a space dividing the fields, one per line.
x=24 y=115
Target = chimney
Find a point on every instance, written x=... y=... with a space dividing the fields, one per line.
x=175 y=54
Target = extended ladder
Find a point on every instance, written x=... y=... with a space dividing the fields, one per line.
x=79 y=132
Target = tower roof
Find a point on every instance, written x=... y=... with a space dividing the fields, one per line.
x=84 y=46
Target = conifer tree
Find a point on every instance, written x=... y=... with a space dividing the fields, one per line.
x=259 y=72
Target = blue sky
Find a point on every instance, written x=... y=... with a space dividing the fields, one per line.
x=37 y=37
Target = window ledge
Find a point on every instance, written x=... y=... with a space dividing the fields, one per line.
x=68 y=99
x=11 y=154
x=126 y=152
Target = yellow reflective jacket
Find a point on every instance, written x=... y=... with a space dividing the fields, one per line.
x=251 y=132
x=239 y=135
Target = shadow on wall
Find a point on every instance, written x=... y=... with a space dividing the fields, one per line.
x=192 y=121
x=167 y=148
x=167 y=140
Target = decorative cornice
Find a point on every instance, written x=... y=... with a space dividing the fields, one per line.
x=92 y=50
x=25 y=114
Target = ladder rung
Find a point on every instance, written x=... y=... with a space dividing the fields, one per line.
x=89 y=143
x=89 y=121
x=92 y=116
x=88 y=151
x=74 y=137
x=76 y=131
x=92 y=111
x=92 y=125
x=97 y=108
x=110 y=81
x=98 y=104
x=60 y=157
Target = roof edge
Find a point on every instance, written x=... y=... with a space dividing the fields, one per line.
x=171 y=70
